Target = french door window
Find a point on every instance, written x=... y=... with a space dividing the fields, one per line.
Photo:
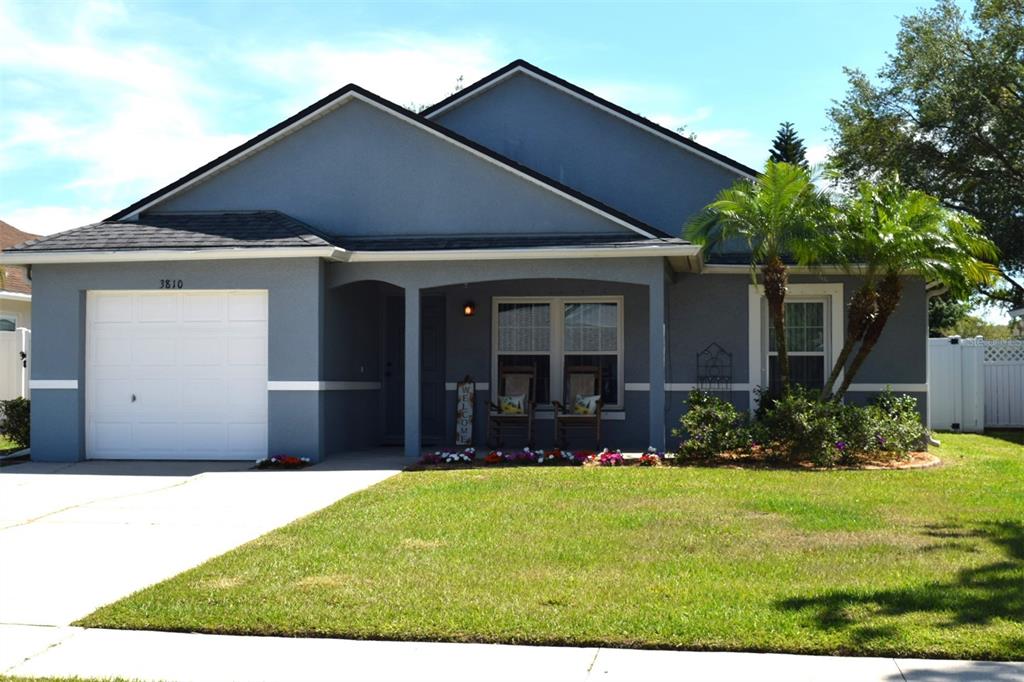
x=555 y=334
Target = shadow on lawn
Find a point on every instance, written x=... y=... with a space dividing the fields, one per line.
x=1015 y=437
x=973 y=596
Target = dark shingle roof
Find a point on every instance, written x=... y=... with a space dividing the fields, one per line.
x=232 y=229
x=510 y=241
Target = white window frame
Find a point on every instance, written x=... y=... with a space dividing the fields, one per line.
x=757 y=343
x=556 y=349
x=14 y=315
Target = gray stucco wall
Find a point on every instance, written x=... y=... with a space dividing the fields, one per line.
x=362 y=171
x=322 y=329
x=295 y=309
x=470 y=343
x=713 y=308
x=590 y=150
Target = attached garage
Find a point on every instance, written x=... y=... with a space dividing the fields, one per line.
x=176 y=374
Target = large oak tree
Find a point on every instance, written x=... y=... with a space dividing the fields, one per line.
x=946 y=114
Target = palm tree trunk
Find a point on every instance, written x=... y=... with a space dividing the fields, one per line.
x=863 y=308
x=775 y=279
x=889 y=293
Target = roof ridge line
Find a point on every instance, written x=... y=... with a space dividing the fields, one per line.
x=594 y=98
x=595 y=204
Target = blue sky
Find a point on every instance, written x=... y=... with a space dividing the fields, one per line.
x=103 y=102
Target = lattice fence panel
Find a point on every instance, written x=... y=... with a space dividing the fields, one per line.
x=1004 y=351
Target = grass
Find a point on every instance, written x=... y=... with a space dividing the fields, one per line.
x=905 y=563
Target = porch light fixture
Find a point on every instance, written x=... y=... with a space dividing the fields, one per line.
x=469 y=309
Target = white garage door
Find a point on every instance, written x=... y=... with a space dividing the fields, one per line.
x=176 y=375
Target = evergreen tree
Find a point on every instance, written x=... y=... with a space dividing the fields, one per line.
x=788 y=146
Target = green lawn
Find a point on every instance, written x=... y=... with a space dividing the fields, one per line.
x=909 y=563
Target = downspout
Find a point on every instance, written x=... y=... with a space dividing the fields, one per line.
x=930 y=293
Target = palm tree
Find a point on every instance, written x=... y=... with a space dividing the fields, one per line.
x=780 y=214
x=891 y=231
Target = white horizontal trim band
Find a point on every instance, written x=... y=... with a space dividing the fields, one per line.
x=480 y=386
x=637 y=387
x=37 y=384
x=14 y=296
x=323 y=385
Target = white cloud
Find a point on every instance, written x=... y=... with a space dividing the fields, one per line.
x=50 y=219
x=133 y=116
x=405 y=68
x=818 y=153
x=119 y=118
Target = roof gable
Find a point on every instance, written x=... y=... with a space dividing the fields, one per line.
x=521 y=66
x=173 y=196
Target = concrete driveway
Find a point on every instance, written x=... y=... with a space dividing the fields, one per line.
x=74 y=537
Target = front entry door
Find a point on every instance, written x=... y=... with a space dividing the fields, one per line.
x=432 y=364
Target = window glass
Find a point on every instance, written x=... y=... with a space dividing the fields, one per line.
x=804 y=370
x=8 y=323
x=805 y=343
x=591 y=327
x=805 y=328
x=542 y=365
x=524 y=327
x=609 y=365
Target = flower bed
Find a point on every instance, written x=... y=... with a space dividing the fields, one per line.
x=451 y=458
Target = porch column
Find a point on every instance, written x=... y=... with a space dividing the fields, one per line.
x=412 y=372
x=656 y=396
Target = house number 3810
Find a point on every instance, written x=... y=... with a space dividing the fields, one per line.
x=172 y=284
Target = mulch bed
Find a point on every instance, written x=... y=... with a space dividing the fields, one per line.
x=733 y=460
x=757 y=460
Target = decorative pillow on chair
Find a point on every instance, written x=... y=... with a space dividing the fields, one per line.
x=585 y=404
x=512 y=404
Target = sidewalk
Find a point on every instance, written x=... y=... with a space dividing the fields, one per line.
x=178 y=657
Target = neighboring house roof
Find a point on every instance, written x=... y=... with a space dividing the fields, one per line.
x=338 y=97
x=522 y=66
x=229 y=229
x=15 y=278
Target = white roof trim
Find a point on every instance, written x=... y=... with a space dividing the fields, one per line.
x=523 y=253
x=43 y=257
x=341 y=255
x=736 y=269
x=337 y=103
x=596 y=105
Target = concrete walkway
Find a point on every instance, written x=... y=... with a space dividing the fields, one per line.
x=74 y=537
x=177 y=657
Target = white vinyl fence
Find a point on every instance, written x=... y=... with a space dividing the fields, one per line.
x=974 y=384
x=15 y=353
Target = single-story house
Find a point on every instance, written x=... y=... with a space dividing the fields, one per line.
x=325 y=286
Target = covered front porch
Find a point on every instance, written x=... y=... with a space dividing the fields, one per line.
x=399 y=337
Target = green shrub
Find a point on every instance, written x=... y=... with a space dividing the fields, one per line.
x=798 y=427
x=710 y=427
x=14 y=420
x=897 y=423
